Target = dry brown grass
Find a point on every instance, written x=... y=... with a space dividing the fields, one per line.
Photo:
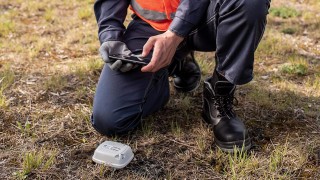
x=49 y=67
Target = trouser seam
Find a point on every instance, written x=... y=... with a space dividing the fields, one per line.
x=139 y=115
x=146 y=92
x=150 y=86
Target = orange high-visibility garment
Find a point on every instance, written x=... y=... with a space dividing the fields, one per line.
x=158 y=13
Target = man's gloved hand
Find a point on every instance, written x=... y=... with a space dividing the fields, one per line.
x=115 y=47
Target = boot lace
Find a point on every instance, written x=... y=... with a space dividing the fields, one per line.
x=224 y=104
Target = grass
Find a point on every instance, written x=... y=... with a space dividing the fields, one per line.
x=296 y=65
x=7 y=77
x=6 y=80
x=206 y=62
x=49 y=68
x=275 y=45
x=39 y=46
x=25 y=128
x=297 y=69
x=237 y=162
x=56 y=83
x=175 y=128
x=146 y=127
x=277 y=165
x=49 y=15
x=85 y=13
x=35 y=161
x=289 y=30
x=6 y=28
x=88 y=66
x=284 y=12
x=201 y=144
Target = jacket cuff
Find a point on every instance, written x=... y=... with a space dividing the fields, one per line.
x=110 y=35
x=181 y=27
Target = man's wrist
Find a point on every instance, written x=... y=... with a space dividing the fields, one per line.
x=175 y=37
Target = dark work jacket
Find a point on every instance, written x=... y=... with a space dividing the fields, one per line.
x=110 y=15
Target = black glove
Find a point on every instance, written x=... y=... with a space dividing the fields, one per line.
x=116 y=47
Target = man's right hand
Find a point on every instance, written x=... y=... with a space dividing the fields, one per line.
x=164 y=47
x=115 y=47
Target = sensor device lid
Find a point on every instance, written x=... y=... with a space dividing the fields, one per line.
x=113 y=154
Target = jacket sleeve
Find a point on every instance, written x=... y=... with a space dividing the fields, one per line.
x=110 y=15
x=188 y=16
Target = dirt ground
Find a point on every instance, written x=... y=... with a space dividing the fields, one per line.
x=49 y=67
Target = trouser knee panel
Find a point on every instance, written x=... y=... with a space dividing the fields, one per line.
x=110 y=124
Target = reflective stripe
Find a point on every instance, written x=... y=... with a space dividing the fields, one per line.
x=148 y=14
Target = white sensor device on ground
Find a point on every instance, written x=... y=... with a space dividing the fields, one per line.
x=113 y=154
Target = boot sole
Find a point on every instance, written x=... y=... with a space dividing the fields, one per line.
x=229 y=147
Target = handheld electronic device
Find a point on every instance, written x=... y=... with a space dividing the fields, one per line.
x=130 y=59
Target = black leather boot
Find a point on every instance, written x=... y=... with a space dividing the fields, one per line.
x=186 y=74
x=228 y=130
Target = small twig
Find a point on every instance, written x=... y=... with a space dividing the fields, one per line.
x=181 y=143
x=1 y=80
x=53 y=135
x=310 y=54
